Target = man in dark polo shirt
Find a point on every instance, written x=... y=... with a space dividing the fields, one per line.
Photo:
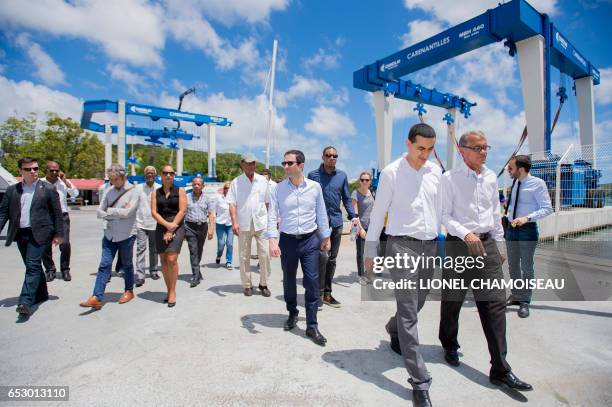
x=334 y=184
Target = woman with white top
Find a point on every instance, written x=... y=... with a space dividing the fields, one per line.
x=225 y=237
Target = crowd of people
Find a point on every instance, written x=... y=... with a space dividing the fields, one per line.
x=300 y=220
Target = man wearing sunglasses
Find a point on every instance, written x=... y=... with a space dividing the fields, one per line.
x=64 y=187
x=334 y=184
x=304 y=230
x=34 y=213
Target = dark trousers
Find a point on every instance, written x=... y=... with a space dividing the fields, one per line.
x=125 y=250
x=521 y=245
x=47 y=257
x=34 y=289
x=327 y=262
x=491 y=304
x=196 y=236
x=306 y=252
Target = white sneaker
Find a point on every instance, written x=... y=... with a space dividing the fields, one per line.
x=228 y=266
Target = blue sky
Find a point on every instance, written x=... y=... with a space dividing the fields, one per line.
x=56 y=54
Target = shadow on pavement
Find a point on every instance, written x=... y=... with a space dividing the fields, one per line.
x=222 y=290
x=155 y=296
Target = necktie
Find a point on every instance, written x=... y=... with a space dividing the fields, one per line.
x=518 y=189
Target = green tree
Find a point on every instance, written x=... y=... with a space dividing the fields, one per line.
x=17 y=136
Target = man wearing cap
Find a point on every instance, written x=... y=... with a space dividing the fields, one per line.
x=248 y=198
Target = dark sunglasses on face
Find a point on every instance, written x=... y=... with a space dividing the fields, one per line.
x=331 y=155
x=31 y=169
x=54 y=171
x=168 y=173
x=364 y=179
x=288 y=163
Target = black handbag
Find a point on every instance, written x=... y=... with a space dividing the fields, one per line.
x=505 y=221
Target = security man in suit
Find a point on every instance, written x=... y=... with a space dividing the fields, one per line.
x=33 y=210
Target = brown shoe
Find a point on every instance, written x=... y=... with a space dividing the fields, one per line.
x=127 y=296
x=92 y=302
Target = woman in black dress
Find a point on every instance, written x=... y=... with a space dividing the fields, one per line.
x=168 y=206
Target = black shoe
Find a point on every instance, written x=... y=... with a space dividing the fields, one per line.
x=248 y=292
x=171 y=304
x=218 y=260
x=66 y=275
x=420 y=398
x=23 y=310
x=451 y=357
x=194 y=282
x=510 y=380
x=154 y=276
x=139 y=283
x=50 y=276
x=291 y=322
x=511 y=301
x=523 y=311
x=264 y=291
x=316 y=336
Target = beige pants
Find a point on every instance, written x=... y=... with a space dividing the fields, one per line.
x=244 y=246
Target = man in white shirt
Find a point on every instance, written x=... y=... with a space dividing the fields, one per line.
x=248 y=198
x=304 y=230
x=145 y=224
x=64 y=187
x=408 y=191
x=472 y=217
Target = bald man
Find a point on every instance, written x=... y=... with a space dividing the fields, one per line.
x=200 y=213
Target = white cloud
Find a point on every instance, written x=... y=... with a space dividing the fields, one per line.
x=126 y=31
x=455 y=12
x=329 y=59
x=21 y=98
x=136 y=84
x=46 y=69
x=327 y=121
x=231 y=11
x=419 y=30
x=301 y=87
x=603 y=91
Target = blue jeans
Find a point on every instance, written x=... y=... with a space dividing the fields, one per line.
x=225 y=238
x=521 y=244
x=125 y=249
x=306 y=252
x=34 y=289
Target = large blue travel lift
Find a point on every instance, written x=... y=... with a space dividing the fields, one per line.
x=539 y=45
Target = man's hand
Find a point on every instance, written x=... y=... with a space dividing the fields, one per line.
x=474 y=245
x=362 y=233
x=210 y=235
x=57 y=241
x=275 y=251
x=325 y=244
x=236 y=229
x=519 y=222
x=62 y=175
x=172 y=226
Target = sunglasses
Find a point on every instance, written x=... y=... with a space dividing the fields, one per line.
x=331 y=155
x=31 y=169
x=54 y=171
x=168 y=173
x=288 y=163
x=478 y=149
x=364 y=179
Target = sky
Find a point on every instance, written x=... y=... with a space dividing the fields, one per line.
x=55 y=54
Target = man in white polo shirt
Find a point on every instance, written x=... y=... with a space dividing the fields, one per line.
x=248 y=198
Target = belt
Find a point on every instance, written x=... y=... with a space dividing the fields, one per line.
x=411 y=239
x=196 y=223
x=482 y=236
x=299 y=237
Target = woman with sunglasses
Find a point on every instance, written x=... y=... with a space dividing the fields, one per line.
x=168 y=207
x=363 y=202
x=225 y=237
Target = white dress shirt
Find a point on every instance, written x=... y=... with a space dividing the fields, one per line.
x=144 y=219
x=26 y=203
x=470 y=202
x=222 y=210
x=533 y=199
x=301 y=209
x=250 y=199
x=63 y=191
x=411 y=199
